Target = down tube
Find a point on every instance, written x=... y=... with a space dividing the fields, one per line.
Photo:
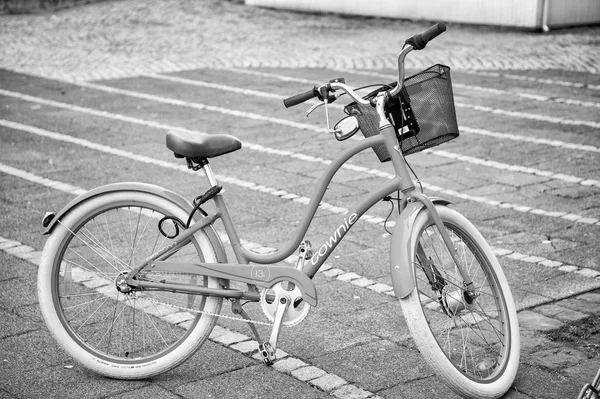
x=309 y=213
x=322 y=253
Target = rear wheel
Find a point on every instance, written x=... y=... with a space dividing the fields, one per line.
x=114 y=332
x=470 y=339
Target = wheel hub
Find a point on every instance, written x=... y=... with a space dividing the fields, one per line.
x=121 y=283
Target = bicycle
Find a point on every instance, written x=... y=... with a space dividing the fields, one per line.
x=133 y=276
x=591 y=390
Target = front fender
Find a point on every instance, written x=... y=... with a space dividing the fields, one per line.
x=402 y=252
x=51 y=221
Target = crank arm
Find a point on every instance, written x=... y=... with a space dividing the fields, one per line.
x=282 y=307
x=268 y=350
x=263 y=276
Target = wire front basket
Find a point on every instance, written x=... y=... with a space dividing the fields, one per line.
x=423 y=116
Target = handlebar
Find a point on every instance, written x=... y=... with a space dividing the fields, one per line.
x=420 y=41
x=415 y=42
x=301 y=97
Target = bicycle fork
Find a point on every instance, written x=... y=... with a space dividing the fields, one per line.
x=456 y=300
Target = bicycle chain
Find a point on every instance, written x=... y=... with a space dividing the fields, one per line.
x=204 y=311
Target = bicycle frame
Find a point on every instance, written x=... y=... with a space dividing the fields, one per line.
x=261 y=274
x=265 y=273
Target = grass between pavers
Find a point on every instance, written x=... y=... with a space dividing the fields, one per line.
x=39 y=6
x=583 y=334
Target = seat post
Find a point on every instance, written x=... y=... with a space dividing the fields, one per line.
x=209 y=173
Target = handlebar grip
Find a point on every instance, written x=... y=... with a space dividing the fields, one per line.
x=420 y=41
x=300 y=97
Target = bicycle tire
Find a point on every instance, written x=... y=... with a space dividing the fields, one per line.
x=122 y=335
x=475 y=347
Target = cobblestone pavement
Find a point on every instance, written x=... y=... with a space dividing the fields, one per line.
x=126 y=38
x=86 y=95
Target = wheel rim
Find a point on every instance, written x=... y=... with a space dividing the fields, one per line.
x=127 y=328
x=474 y=337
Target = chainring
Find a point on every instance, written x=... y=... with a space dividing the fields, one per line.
x=296 y=311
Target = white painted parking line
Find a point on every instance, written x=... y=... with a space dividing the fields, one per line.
x=327 y=270
x=307 y=158
x=464 y=129
x=551 y=82
x=281 y=193
x=203 y=107
x=530 y=116
x=298 y=198
x=506 y=93
x=240 y=343
x=529 y=139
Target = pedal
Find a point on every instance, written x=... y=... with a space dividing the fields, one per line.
x=267 y=353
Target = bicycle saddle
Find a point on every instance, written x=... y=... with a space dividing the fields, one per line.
x=186 y=144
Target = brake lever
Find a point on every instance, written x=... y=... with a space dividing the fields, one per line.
x=311 y=109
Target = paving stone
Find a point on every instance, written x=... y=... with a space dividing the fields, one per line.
x=328 y=382
x=381 y=288
x=245 y=347
x=19 y=250
x=230 y=337
x=532 y=341
x=289 y=364
x=581 y=306
x=348 y=276
x=536 y=321
x=333 y=272
x=308 y=373
x=557 y=358
x=9 y=244
x=546 y=384
x=563 y=314
x=363 y=282
x=590 y=297
x=583 y=373
x=588 y=272
x=351 y=392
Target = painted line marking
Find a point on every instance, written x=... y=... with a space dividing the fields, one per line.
x=552 y=82
x=526 y=115
x=526 y=96
x=514 y=114
x=305 y=200
x=446 y=154
x=203 y=107
x=327 y=270
x=238 y=342
x=249 y=185
x=464 y=129
x=295 y=197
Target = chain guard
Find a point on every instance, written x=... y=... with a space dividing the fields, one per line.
x=297 y=310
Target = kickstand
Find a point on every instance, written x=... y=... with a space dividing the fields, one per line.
x=236 y=308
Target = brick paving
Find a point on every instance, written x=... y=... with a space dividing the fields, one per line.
x=167 y=36
x=120 y=39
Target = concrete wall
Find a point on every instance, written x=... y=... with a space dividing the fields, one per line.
x=529 y=14
x=573 y=12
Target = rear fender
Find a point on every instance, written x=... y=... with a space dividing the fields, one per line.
x=51 y=220
x=402 y=252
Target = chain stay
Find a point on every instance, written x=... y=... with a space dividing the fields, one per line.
x=204 y=311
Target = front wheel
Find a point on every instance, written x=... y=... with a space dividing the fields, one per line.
x=93 y=315
x=469 y=337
